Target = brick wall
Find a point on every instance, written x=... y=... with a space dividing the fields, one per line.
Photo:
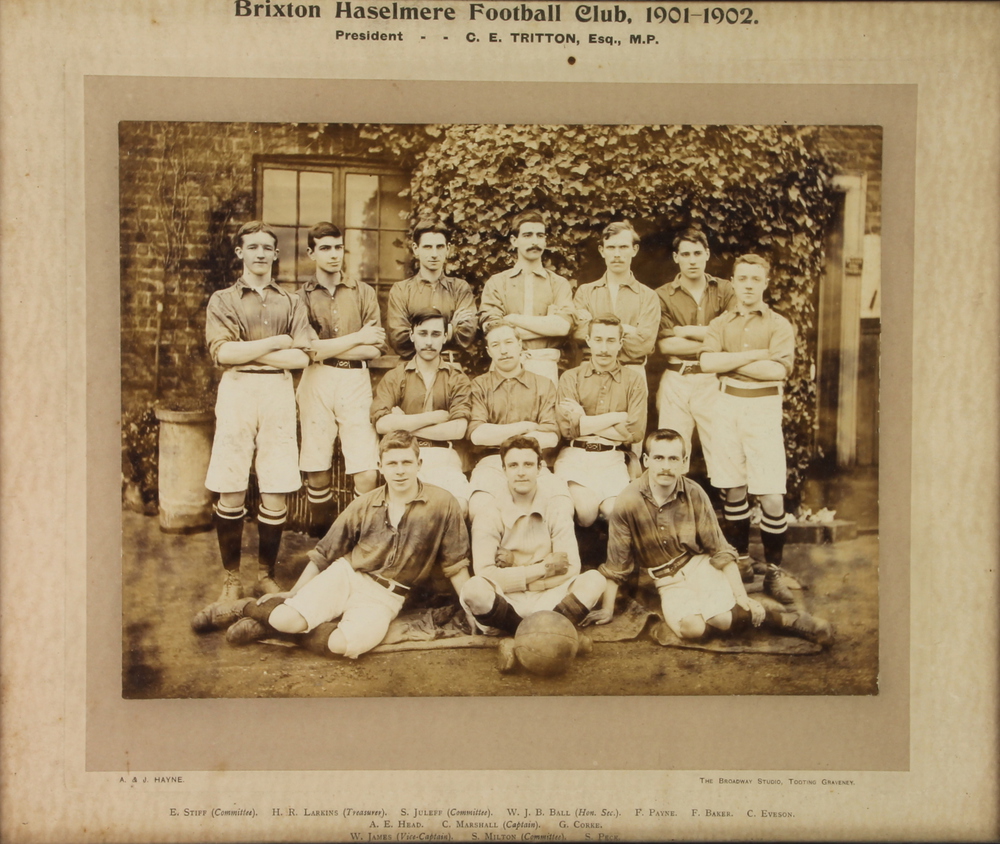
x=858 y=149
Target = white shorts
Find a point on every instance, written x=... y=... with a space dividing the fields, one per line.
x=751 y=448
x=254 y=426
x=331 y=402
x=443 y=467
x=685 y=401
x=525 y=603
x=697 y=589
x=604 y=473
x=488 y=476
x=364 y=608
x=543 y=362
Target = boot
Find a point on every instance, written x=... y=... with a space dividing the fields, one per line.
x=801 y=624
x=775 y=588
x=232 y=588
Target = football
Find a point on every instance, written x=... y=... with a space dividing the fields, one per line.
x=545 y=643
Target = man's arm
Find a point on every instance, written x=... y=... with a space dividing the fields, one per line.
x=398 y=322
x=618 y=566
x=361 y=345
x=730 y=361
x=285 y=359
x=239 y=352
x=538 y=327
x=452 y=429
x=397 y=420
x=763 y=370
x=641 y=340
x=465 y=319
x=492 y=434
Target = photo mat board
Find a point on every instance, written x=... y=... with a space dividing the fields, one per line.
x=891 y=107
x=185 y=186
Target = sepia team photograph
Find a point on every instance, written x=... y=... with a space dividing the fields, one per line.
x=429 y=410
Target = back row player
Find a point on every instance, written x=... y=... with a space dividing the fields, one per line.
x=534 y=305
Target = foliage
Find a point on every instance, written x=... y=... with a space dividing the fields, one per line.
x=140 y=449
x=763 y=189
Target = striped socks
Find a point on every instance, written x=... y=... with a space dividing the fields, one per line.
x=321 y=506
x=772 y=534
x=270 y=524
x=736 y=525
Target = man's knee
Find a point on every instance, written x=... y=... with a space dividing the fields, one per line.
x=284 y=619
x=365 y=481
x=692 y=627
x=585 y=504
x=478 y=595
x=722 y=621
x=607 y=508
x=773 y=504
x=736 y=493
x=319 y=480
x=589 y=587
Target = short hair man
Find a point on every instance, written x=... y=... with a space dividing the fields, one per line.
x=428 y=397
x=620 y=293
x=507 y=401
x=536 y=301
x=752 y=348
x=664 y=530
x=257 y=332
x=335 y=393
x=380 y=546
x=687 y=396
x=524 y=553
x=431 y=288
x=601 y=408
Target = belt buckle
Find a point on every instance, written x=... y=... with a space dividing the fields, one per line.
x=593 y=447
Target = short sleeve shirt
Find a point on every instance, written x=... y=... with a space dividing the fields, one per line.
x=526 y=397
x=677 y=307
x=452 y=296
x=404 y=388
x=634 y=304
x=761 y=328
x=620 y=389
x=351 y=305
x=506 y=293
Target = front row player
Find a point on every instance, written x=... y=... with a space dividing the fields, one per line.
x=358 y=576
x=524 y=553
x=664 y=526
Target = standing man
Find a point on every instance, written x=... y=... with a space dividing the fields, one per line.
x=383 y=544
x=665 y=529
x=753 y=349
x=620 y=293
x=431 y=288
x=429 y=398
x=536 y=301
x=335 y=393
x=601 y=408
x=688 y=396
x=524 y=553
x=257 y=332
x=507 y=401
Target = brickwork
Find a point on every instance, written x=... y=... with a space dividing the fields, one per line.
x=858 y=149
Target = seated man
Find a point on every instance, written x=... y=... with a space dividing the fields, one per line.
x=664 y=528
x=428 y=397
x=524 y=553
x=384 y=543
x=601 y=411
x=507 y=401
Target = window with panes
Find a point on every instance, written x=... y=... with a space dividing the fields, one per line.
x=362 y=199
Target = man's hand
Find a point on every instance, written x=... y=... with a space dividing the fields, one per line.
x=572 y=409
x=629 y=329
x=397 y=411
x=285 y=595
x=556 y=564
x=597 y=616
x=282 y=342
x=755 y=608
x=504 y=558
x=371 y=334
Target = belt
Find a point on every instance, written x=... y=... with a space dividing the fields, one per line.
x=434 y=443
x=489 y=451
x=671 y=567
x=751 y=392
x=337 y=363
x=390 y=585
x=686 y=367
x=263 y=371
x=588 y=446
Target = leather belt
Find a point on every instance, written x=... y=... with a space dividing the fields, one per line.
x=686 y=368
x=263 y=371
x=751 y=392
x=434 y=443
x=337 y=363
x=390 y=585
x=588 y=446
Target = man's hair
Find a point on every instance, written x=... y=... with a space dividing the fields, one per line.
x=612 y=229
x=421 y=316
x=321 y=230
x=398 y=439
x=665 y=435
x=691 y=236
x=500 y=324
x=519 y=441
x=756 y=260
x=605 y=319
x=430 y=227
x=253 y=227
x=531 y=216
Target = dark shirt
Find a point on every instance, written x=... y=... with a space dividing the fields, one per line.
x=677 y=307
x=525 y=397
x=431 y=532
x=240 y=313
x=352 y=305
x=621 y=389
x=452 y=296
x=761 y=328
x=644 y=535
x=404 y=388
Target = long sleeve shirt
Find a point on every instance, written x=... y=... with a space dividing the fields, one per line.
x=452 y=296
x=239 y=312
x=634 y=304
x=351 y=305
x=677 y=307
x=529 y=534
x=431 y=533
x=520 y=291
x=645 y=535
x=761 y=328
x=525 y=397
x=620 y=389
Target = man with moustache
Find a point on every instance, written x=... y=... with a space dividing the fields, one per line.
x=537 y=302
x=507 y=401
x=430 y=398
x=431 y=288
x=664 y=534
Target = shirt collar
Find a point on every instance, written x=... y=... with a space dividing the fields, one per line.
x=631 y=282
x=516 y=270
x=676 y=285
x=499 y=378
x=763 y=310
x=380 y=496
x=589 y=369
x=680 y=491
x=242 y=286
x=411 y=364
x=344 y=280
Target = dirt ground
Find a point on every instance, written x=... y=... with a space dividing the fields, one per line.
x=167 y=578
